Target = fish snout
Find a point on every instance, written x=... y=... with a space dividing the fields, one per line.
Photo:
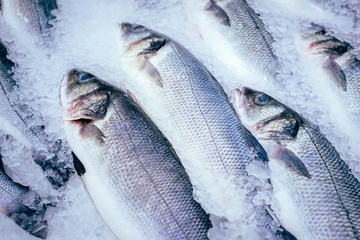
x=125 y=27
x=240 y=97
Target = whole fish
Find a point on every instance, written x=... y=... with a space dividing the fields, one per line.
x=13 y=123
x=342 y=68
x=36 y=13
x=319 y=197
x=22 y=205
x=236 y=34
x=218 y=147
x=130 y=170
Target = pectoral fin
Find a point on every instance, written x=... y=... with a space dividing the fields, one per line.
x=1 y=164
x=151 y=71
x=337 y=75
x=261 y=153
x=79 y=167
x=291 y=160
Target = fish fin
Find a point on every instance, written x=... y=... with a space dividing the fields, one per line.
x=260 y=151
x=259 y=24
x=285 y=234
x=1 y=164
x=79 y=167
x=218 y=12
x=291 y=160
x=281 y=231
x=335 y=72
x=151 y=71
x=133 y=97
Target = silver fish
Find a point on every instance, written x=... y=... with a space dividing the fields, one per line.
x=22 y=205
x=342 y=67
x=36 y=13
x=319 y=197
x=236 y=34
x=15 y=124
x=130 y=170
x=200 y=114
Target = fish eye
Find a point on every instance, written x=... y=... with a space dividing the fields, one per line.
x=84 y=77
x=137 y=28
x=340 y=49
x=261 y=99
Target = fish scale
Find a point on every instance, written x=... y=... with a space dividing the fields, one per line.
x=144 y=181
x=211 y=130
x=212 y=143
x=22 y=205
x=243 y=45
x=36 y=13
x=12 y=122
x=351 y=97
x=323 y=204
x=333 y=192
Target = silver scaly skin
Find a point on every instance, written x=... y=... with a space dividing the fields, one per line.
x=343 y=69
x=36 y=13
x=319 y=197
x=129 y=168
x=201 y=118
x=236 y=33
x=22 y=205
x=13 y=123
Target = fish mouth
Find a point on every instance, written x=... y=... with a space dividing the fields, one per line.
x=240 y=98
x=125 y=28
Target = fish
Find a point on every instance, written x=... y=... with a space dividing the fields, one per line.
x=236 y=34
x=22 y=205
x=218 y=147
x=128 y=167
x=342 y=68
x=318 y=195
x=34 y=13
x=18 y=125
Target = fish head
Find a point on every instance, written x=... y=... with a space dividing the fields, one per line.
x=140 y=41
x=265 y=117
x=321 y=43
x=140 y=46
x=85 y=100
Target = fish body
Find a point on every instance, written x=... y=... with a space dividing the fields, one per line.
x=22 y=205
x=11 y=120
x=130 y=170
x=342 y=69
x=13 y=123
x=36 y=13
x=236 y=34
x=319 y=197
x=217 y=149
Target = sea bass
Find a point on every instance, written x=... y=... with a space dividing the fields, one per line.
x=130 y=170
x=22 y=205
x=236 y=34
x=36 y=13
x=319 y=197
x=13 y=123
x=342 y=68
x=214 y=146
